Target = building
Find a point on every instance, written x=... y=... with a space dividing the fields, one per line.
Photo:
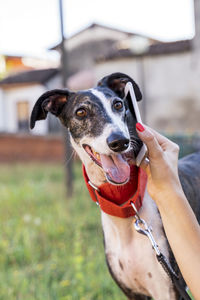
x=91 y=43
x=18 y=94
x=168 y=75
x=10 y=64
x=19 y=91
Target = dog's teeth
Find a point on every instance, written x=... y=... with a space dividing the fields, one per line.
x=96 y=154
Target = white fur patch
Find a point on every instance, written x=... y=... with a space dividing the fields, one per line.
x=99 y=143
x=117 y=121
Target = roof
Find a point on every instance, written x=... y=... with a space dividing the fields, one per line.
x=12 y=56
x=93 y=25
x=154 y=49
x=170 y=47
x=39 y=76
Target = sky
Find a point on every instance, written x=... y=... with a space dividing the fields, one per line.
x=30 y=27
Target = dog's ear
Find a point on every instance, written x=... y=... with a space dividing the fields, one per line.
x=117 y=82
x=52 y=101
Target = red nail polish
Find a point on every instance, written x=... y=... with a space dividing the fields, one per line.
x=139 y=127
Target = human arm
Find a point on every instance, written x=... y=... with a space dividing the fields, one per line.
x=181 y=226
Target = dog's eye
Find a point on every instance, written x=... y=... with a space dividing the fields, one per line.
x=81 y=113
x=118 y=105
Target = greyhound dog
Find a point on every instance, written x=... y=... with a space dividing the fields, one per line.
x=104 y=136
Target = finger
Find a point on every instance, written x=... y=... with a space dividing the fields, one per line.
x=147 y=136
x=163 y=141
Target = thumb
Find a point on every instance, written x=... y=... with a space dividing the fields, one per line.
x=149 y=139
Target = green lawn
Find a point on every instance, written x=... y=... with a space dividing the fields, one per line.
x=50 y=247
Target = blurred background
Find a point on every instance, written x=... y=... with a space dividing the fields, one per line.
x=51 y=244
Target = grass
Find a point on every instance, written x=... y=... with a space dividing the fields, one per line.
x=50 y=247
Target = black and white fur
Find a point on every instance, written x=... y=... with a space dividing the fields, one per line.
x=96 y=121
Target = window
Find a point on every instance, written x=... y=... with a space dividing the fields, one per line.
x=23 y=116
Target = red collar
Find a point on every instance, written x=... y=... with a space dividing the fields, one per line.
x=111 y=198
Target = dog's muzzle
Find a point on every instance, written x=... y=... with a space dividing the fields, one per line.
x=117 y=142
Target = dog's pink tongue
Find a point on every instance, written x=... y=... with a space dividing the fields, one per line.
x=116 y=167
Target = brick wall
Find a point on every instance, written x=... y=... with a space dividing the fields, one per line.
x=15 y=148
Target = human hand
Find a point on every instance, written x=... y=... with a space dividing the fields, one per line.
x=162 y=169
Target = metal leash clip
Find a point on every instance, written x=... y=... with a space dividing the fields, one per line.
x=142 y=227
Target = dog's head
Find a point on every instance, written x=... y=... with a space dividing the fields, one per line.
x=97 y=122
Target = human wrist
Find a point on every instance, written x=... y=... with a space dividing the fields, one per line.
x=168 y=196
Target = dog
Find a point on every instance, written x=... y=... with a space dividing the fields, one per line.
x=102 y=132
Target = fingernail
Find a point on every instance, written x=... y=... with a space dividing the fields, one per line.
x=139 y=127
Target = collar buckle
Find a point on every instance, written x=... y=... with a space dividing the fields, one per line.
x=96 y=189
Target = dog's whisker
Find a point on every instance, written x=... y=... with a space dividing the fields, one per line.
x=71 y=157
x=134 y=144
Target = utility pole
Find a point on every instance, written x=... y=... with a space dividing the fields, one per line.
x=64 y=72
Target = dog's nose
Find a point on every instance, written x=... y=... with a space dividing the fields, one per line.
x=117 y=142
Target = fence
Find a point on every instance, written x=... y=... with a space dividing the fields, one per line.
x=15 y=148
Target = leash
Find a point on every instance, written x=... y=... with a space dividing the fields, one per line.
x=142 y=228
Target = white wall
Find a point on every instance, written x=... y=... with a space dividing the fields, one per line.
x=94 y=33
x=2 y=114
x=54 y=83
x=173 y=92
x=9 y=100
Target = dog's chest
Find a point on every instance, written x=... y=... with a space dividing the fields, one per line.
x=131 y=259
